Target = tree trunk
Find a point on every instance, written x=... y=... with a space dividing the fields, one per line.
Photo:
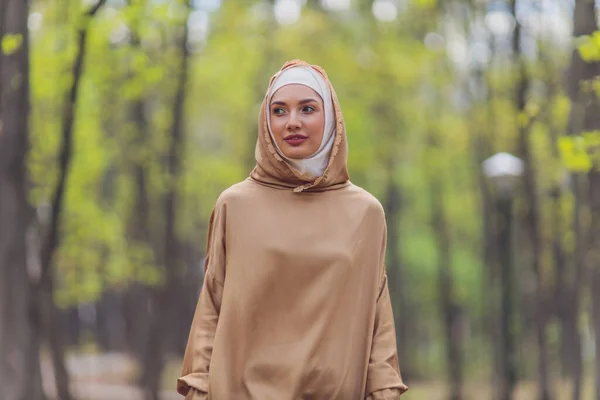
x=50 y=314
x=20 y=376
x=570 y=303
x=136 y=298
x=531 y=219
x=557 y=224
x=481 y=148
x=449 y=309
x=584 y=117
x=393 y=207
x=110 y=326
x=137 y=319
x=166 y=296
x=508 y=354
x=54 y=335
x=596 y=317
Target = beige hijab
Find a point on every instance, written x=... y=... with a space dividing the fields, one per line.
x=274 y=170
x=315 y=165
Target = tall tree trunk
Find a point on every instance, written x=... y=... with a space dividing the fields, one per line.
x=532 y=229
x=583 y=117
x=595 y=260
x=50 y=314
x=20 y=376
x=504 y=228
x=393 y=207
x=136 y=298
x=481 y=148
x=531 y=219
x=449 y=309
x=481 y=134
x=166 y=296
x=589 y=103
x=557 y=221
x=110 y=322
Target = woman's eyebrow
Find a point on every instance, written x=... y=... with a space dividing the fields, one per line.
x=283 y=103
x=308 y=101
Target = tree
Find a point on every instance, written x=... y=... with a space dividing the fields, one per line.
x=531 y=219
x=20 y=376
x=583 y=118
x=48 y=313
x=166 y=294
x=20 y=351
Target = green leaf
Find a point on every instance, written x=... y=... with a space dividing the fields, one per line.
x=574 y=155
x=589 y=47
x=11 y=43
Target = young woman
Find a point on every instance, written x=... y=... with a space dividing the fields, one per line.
x=295 y=302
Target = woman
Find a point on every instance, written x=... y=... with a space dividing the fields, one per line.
x=295 y=302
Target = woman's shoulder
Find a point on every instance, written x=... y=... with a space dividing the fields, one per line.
x=236 y=192
x=363 y=197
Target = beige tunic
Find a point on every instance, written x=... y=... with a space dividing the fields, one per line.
x=295 y=301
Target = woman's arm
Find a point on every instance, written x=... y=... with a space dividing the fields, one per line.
x=384 y=381
x=193 y=382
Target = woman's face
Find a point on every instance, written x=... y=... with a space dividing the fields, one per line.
x=297 y=120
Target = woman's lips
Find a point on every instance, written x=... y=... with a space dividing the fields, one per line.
x=295 y=140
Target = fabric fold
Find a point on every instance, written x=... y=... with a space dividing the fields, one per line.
x=194 y=394
x=383 y=373
x=386 y=394
x=196 y=362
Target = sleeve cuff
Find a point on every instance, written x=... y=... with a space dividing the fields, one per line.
x=196 y=381
x=387 y=394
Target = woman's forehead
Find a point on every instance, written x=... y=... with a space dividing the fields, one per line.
x=295 y=92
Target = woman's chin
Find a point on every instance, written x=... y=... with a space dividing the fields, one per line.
x=296 y=153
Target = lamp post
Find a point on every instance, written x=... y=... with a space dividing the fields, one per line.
x=503 y=171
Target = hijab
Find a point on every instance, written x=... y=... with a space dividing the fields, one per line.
x=313 y=166
x=274 y=170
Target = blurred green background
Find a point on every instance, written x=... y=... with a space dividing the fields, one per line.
x=476 y=123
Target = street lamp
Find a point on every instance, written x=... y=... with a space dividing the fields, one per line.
x=503 y=171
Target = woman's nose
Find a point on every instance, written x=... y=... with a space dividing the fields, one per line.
x=293 y=122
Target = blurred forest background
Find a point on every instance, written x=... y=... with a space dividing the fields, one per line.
x=475 y=122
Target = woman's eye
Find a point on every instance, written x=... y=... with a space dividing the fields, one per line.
x=308 y=109
x=278 y=111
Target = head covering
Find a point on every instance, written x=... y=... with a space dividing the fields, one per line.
x=275 y=170
x=314 y=165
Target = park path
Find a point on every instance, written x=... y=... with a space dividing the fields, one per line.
x=99 y=377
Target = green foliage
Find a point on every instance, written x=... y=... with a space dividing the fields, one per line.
x=11 y=43
x=580 y=153
x=589 y=47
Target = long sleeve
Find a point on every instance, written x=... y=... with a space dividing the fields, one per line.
x=384 y=381
x=194 y=374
